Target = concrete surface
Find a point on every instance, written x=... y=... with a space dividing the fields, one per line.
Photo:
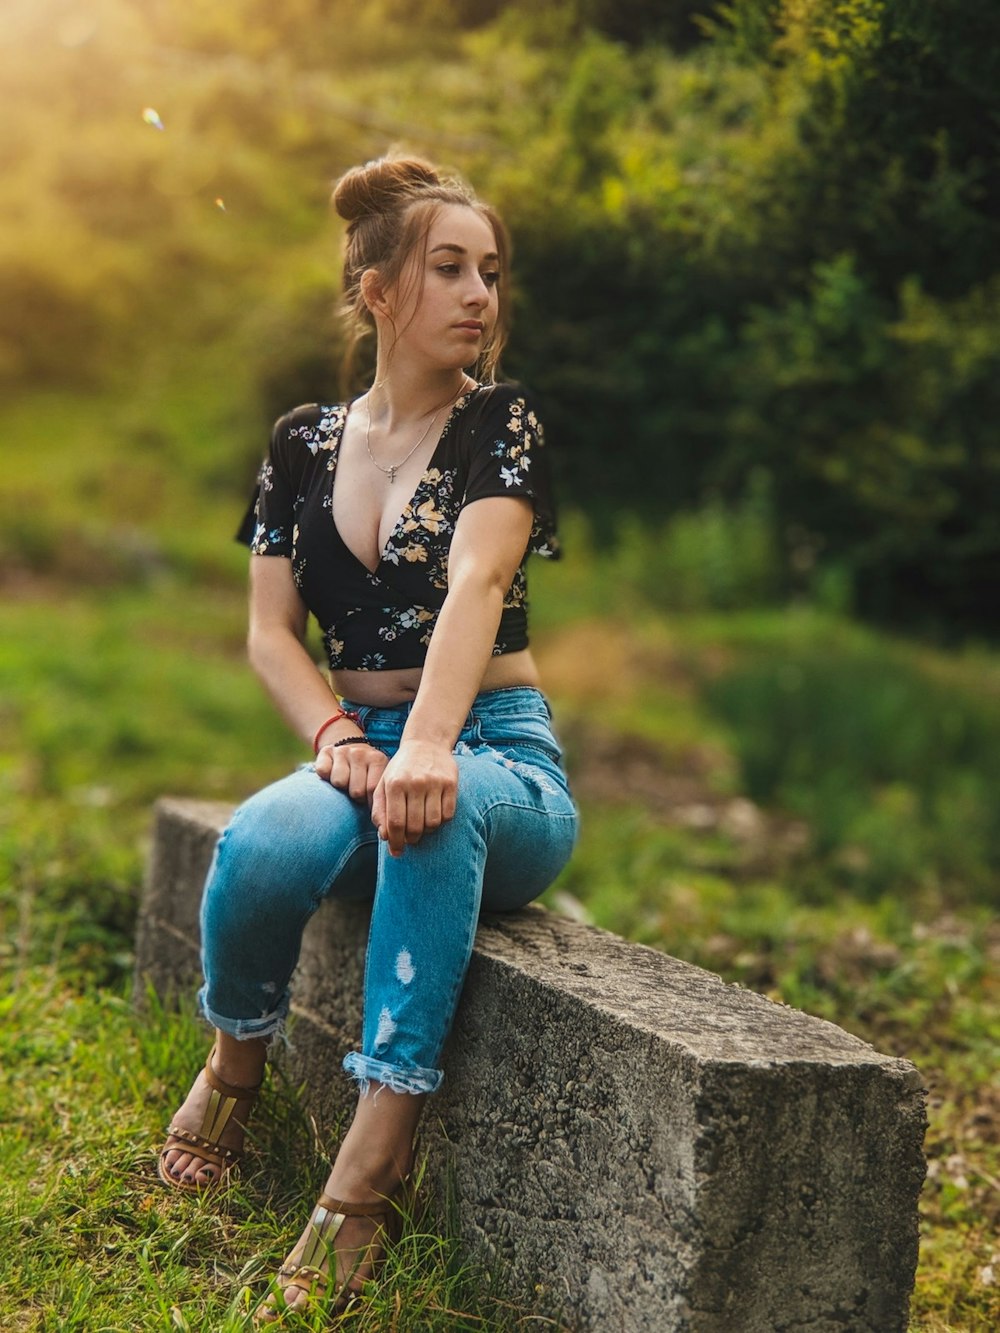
x=648 y=1148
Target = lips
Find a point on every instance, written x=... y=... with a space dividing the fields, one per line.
x=474 y=325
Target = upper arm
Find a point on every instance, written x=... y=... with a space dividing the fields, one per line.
x=491 y=537
x=275 y=601
x=508 y=459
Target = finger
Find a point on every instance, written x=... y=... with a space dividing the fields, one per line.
x=323 y=764
x=340 y=769
x=357 y=787
x=378 y=808
x=449 y=801
x=433 y=817
x=395 y=818
x=415 y=816
x=376 y=767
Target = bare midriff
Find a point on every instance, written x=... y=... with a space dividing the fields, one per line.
x=385 y=689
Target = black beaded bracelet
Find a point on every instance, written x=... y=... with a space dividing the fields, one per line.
x=351 y=740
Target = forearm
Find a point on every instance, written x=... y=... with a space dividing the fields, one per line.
x=293 y=681
x=457 y=658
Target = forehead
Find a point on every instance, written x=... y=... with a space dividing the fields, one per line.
x=457 y=224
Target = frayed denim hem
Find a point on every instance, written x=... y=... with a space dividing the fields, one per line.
x=265 y=1028
x=367 y=1071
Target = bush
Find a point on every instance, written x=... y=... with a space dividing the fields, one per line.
x=895 y=772
x=717 y=557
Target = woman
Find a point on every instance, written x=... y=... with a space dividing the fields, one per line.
x=402 y=521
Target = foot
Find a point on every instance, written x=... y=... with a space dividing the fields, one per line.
x=183 y=1163
x=337 y=1253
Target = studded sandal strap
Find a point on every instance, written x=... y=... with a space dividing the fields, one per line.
x=301 y=1275
x=214 y=1152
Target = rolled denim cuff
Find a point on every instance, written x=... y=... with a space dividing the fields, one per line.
x=246 y=1029
x=367 y=1071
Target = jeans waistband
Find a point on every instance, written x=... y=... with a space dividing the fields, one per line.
x=508 y=701
x=509 y=717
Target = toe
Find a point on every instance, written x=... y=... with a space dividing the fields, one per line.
x=179 y=1165
x=195 y=1172
x=296 y=1297
x=207 y=1175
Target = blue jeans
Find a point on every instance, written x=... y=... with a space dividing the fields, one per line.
x=301 y=840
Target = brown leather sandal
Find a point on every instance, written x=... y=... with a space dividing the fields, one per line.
x=205 y=1144
x=327 y=1218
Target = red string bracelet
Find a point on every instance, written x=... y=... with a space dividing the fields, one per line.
x=335 y=717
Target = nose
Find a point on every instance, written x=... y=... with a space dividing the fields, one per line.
x=477 y=293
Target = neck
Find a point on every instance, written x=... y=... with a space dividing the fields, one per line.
x=400 y=395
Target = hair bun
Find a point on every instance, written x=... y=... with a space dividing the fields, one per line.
x=379 y=186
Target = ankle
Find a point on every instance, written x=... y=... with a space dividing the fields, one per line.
x=370 y=1173
x=240 y=1064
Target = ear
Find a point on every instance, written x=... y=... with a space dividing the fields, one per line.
x=373 y=293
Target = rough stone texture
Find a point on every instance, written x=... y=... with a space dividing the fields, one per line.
x=660 y=1151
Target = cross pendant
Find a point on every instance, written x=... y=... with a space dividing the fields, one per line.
x=392 y=475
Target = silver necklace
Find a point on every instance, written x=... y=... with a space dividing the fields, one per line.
x=390 y=472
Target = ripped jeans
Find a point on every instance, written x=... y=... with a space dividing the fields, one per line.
x=300 y=840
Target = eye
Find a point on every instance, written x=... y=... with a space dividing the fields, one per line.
x=450 y=269
x=491 y=278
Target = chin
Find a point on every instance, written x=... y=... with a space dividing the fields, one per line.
x=466 y=362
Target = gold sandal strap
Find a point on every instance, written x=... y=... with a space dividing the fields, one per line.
x=323 y=1228
x=217 y=1115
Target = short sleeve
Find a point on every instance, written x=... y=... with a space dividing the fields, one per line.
x=269 y=521
x=508 y=457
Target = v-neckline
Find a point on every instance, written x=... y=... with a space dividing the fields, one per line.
x=407 y=509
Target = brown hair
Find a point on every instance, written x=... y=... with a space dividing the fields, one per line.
x=389 y=206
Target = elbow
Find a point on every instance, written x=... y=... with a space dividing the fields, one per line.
x=255 y=649
x=481 y=583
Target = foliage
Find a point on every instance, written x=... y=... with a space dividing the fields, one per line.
x=758 y=237
x=786 y=228
x=718 y=556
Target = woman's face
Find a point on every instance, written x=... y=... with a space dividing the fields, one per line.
x=446 y=302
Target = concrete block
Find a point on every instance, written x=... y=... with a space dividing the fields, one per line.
x=657 y=1150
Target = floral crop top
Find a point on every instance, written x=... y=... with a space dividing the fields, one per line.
x=491 y=444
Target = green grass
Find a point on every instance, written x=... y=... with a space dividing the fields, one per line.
x=90 y=1241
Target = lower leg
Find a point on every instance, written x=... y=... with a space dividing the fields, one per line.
x=377 y=1151
x=239 y=1061
x=374 y=1158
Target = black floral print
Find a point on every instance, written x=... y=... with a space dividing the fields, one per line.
x=492 y=444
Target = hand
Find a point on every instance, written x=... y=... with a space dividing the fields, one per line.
x=355 y=769
x=415 y=795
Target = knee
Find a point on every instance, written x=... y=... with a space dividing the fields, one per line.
x=275 y=848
